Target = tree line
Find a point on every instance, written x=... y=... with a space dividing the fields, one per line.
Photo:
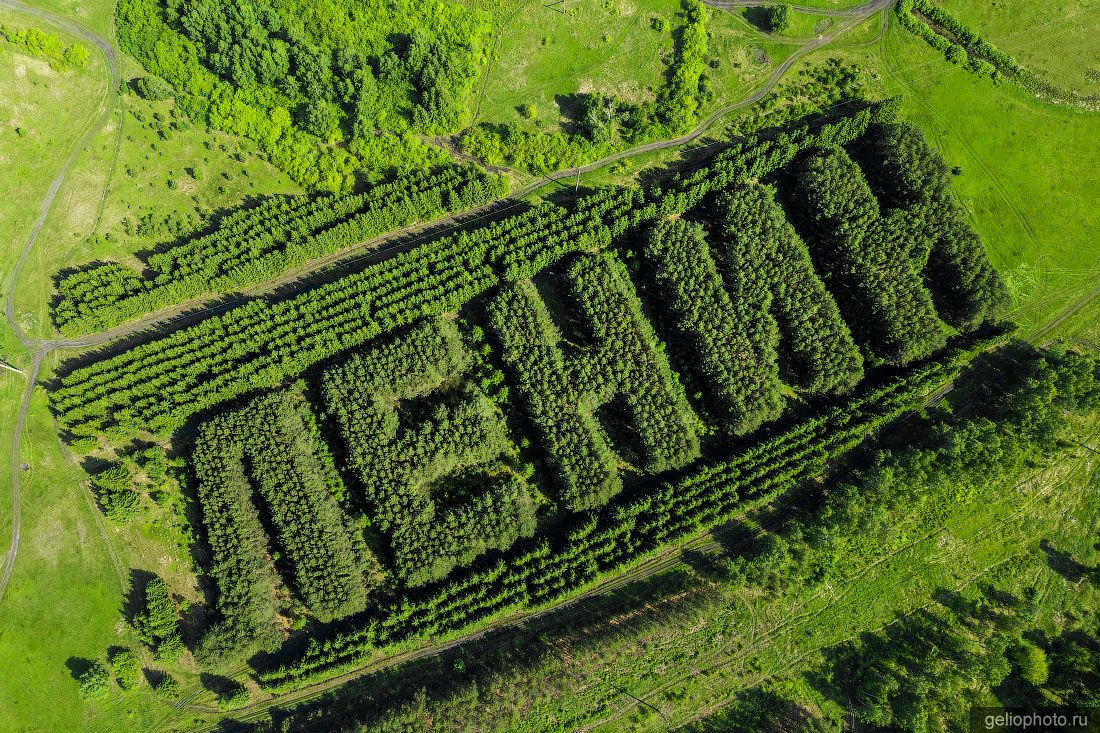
x=257 y=243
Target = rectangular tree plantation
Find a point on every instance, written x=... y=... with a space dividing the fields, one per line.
x=488 y=422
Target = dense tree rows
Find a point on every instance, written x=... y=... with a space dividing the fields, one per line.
x=733 y=335
x=240 y=561
x=627 y=529
x=434 y=480
x=159 y=384
x=872 y=263
x=624 y=364
x=258 y=243
x=271 y=443
x=760 y=245
x=909 y=173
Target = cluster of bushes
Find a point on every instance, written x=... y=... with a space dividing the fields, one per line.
x=273 y=445
x=603 y=122
x=628 y=528
x=46 y=46
x=296 y=81
x=979 y=55
x=260 y=242
x=114 y=489
x=124 y=666
x=437 y=480
x=623 y=364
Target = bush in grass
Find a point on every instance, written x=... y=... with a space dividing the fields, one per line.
x=152 y=88
x=157 y=620
x=167 y=687
x=233 y=697
x=170 y=649
x=779 y=18
x=114 y=490
x=95 y=681
x=127 y=671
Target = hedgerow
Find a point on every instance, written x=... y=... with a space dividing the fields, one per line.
x=979 y=55
x=437 y=482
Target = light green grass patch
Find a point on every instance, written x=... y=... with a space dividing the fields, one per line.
x=1056 y=40
x=548 y=51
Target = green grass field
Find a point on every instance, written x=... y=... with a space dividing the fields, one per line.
x=1024 y=180
x=1056 y=40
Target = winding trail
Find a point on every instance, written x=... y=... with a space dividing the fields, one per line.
x=41 y=349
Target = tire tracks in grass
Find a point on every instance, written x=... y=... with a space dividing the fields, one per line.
x=88 y=133
x=890 y=65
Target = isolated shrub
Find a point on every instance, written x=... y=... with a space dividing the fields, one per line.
x=127 y=671
x=95 y=681
x=152 y=88
x=83 y=446
x=156 y=623
x=234 y=696
x=1030 y=662
x=167 y=687
x=528 y=111
x=660 y=24
x=779 y=18
x=170 y=649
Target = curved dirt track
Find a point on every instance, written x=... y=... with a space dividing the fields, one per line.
x=41 y=349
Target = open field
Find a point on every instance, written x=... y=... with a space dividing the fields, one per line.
x=1055 y=40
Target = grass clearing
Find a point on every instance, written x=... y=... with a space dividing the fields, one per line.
x=163 y=166
x=1031 y=31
